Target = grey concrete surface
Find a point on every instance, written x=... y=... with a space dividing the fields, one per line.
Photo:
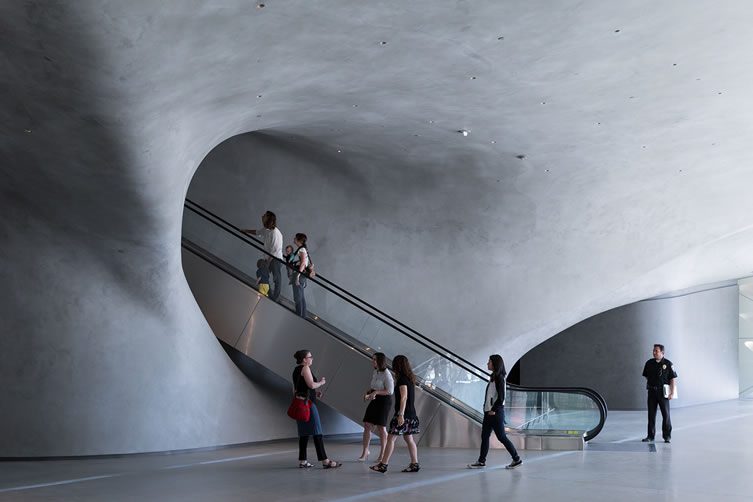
x=707 y=460
x=607 y=161
x=745 y=342
x=607 y=352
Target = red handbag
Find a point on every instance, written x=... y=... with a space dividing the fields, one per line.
x=300 y=409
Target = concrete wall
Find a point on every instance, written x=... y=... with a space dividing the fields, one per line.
x=745 y=346
x=607 y=352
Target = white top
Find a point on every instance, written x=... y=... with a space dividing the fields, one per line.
x=382 y=380
x=303 y=257
x=272 y=241
x=491 y=396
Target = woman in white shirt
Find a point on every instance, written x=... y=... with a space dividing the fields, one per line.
x=380 y=402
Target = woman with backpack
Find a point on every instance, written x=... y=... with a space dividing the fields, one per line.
x=300 y=265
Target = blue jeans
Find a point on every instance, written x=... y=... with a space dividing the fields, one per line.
x=495 y=423
x=298 y=297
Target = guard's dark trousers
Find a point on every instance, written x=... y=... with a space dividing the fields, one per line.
x=656 y=398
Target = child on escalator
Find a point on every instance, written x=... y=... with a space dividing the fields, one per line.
x=262 y=276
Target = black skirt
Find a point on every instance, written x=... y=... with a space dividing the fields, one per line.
x=378 y=410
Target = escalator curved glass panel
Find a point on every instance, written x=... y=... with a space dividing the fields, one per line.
x=444 y=375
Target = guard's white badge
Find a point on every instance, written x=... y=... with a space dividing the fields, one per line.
x=663 y=366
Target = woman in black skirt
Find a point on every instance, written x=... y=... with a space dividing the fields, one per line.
x=304 y=387
x=405 y=421
x=380 y=402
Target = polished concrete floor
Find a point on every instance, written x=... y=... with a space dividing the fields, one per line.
x=710 y=459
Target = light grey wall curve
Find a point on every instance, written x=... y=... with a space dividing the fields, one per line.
x=607 y=352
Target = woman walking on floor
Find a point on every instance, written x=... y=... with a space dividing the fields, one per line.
x=380 y=401
x=305 y=384
x=494 y=414
x=405 y=422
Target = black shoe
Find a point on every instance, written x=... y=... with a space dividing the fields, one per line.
x=647 y=440
x=412 y=468
x=477 y=465
x=667 y=440
x=380 y=467
x=514 y=464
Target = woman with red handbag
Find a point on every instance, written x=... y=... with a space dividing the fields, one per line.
x=304 y=389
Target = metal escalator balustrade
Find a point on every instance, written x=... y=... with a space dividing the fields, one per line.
x=448 y=377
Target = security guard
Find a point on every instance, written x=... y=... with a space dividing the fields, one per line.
x=659 y=372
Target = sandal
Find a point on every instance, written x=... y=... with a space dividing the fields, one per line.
x=331 y=465
x=380 y=467
x=412 y=468
x=305 y=464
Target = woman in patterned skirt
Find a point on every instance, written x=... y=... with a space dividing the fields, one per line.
x=405 y=421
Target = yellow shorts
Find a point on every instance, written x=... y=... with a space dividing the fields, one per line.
x=264 y=289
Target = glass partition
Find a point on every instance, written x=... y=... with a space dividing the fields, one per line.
x=551 y=412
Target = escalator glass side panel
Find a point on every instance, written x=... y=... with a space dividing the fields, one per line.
x=551 y=411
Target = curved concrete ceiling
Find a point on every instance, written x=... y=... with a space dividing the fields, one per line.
x=608 y=142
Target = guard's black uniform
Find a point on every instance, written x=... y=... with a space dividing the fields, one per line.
x=657 y=375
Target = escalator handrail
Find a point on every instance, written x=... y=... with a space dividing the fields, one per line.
x=435 y=347
x=378 y=314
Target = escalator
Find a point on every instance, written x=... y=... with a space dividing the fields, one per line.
x=343 y=331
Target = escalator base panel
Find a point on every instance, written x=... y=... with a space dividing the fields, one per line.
x=541 y=442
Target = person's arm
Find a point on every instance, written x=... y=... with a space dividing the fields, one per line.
x=673 y=375
x=671 y=388
x=309 y=379
x=499 y=386
x=301 y=263
x=403 y=401
x=301 y=267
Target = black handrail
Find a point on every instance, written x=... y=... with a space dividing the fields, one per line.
x=239 y=234
x=431 y=345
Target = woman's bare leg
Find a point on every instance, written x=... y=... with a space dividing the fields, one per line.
x=366 y=440
x=381 y=431
x=412 y=448
x=389 y=448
